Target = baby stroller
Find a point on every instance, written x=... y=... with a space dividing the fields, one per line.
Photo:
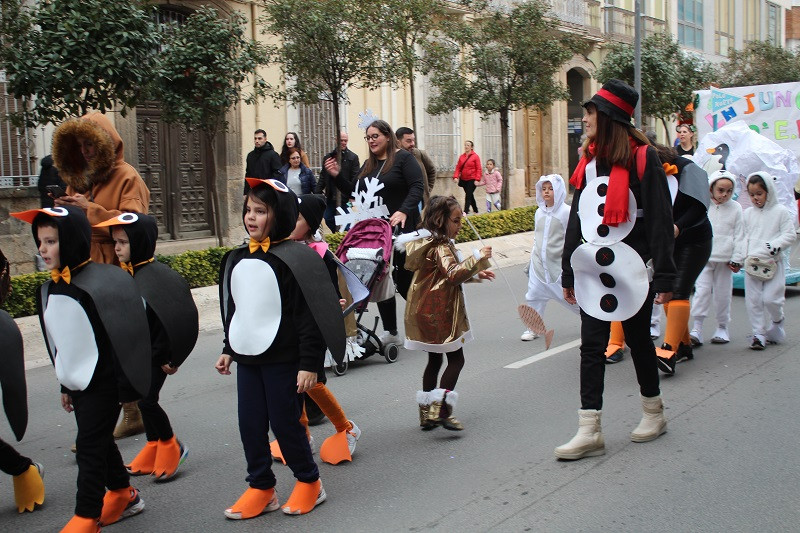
x=366 y=250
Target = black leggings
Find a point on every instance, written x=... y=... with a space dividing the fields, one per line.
x=469 y=195
x=156 y=421
x=11 y=462
x=455 y=362
x=690 y=259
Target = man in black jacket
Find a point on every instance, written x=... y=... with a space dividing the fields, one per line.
x=263 y=162
x=327 y=184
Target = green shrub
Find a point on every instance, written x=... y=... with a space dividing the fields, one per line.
x=201 y=268
x=22 y=300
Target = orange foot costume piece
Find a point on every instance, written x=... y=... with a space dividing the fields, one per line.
x=145 y=461
x=170 y=454
x=29 y=488
x=252 y=503
x=79 y=524
x=335 y=449
x=275 y=450
x=305 y=497
x=119 y=504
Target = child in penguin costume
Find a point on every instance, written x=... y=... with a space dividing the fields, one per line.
x=28 y=484
x=341 y=446
x=173 y=321
x=279 y=312
x=95 y=330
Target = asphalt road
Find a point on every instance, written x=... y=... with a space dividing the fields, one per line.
x=727 y=463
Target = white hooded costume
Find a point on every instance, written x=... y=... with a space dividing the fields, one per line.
x=729 y=246
x=544 y=274
x=770 y=231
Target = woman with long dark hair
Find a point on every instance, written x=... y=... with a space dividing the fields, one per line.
x=292 y=140
x=468 y=172
x=626 y=221
x=401 y=176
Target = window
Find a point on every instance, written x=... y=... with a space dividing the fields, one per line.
x=443 y=141
x=752 y=20
x=690 y=23
x=317 y=132
x=490 y=145
x=17 y=164
x=723 y=26
x=773 y=24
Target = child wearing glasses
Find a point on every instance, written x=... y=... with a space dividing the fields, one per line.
x=436 y=319
x=278 y=341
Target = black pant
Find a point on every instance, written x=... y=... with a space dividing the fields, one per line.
x=11 y=462
x=469 y=195
x=156 y=421
x=268 y=398
x=100 y=464
x=594 y=340
x=690 y=259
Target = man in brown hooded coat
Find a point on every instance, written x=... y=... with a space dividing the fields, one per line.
x=87 y=152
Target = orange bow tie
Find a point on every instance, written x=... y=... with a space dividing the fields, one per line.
x=59 y=275
x=127 y=267
x=255 y=245
x=670 y=170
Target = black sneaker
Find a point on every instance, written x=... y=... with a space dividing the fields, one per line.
x=666 y=364
x=615 y=357
x=684 y=353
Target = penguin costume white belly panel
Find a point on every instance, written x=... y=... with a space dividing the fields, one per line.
x=254 y=325
x=71 y=340
x=611 y=281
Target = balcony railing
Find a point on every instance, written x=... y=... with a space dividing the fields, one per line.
x=619 y=24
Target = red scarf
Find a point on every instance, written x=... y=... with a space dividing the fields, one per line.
x=616 y=209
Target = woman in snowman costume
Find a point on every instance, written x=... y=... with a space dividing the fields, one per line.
x=622 y=209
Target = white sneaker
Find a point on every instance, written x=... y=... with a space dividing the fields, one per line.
x=655 y=332
x=775 y=333
x=352 y=437
x=528 y=335
x=388 y=338
x=721 y=336
x=696 y=337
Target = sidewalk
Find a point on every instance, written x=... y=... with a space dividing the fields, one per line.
x=508 y=250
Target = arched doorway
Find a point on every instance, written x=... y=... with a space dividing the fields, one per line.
x=576 y=83
x=173 y=163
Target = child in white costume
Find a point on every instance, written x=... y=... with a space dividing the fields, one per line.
x=770 y=230
x=544 y=271
x=727 y=256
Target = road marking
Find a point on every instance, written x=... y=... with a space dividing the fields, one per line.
x=545 y=354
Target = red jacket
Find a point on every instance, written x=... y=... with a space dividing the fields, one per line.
x=469 y=166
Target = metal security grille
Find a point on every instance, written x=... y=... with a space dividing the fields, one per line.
x=317 y=132
x=17 y=164
x=490 y=146
x=442 y=135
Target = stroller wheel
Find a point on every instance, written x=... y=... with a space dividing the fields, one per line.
x=340 y=369
x=390 y=352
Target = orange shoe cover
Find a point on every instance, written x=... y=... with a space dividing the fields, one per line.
x=79 y=524
x=252 y=503
x=29 y=489
x=144 y=463
x=169 y=456
x=335 y=449
x=119 y=504
x=663 y=353
x=305 y=497
x=275 y=451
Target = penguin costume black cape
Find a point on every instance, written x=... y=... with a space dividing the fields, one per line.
x=279 y=312
x=173 y=321
x=28 y=484
x=96 y=333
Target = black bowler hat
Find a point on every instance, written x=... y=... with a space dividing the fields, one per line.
x=616 y=99
x=312 y=207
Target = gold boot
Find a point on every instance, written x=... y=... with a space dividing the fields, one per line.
x=131 y=423
x=447 y=419
x=436 y=397
x=423 y=399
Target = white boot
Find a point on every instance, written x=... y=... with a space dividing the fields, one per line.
x=588 y=442
x=653 y=423
x=696 y=335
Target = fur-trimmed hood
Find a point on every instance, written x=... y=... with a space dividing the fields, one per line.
x=69 y=161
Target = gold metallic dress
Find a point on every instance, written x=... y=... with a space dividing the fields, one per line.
x=436 y=318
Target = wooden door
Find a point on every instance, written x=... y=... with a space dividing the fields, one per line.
x=533 y=150
x=172 y=161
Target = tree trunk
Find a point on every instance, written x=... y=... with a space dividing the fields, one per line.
x=211 y=142
x=666 y=130
x=505 y=195
x=337 y=127
x=413 y=91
